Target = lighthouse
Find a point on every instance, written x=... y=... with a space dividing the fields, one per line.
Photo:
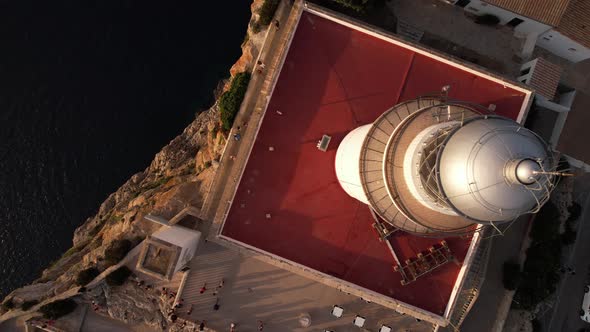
x=437 y=167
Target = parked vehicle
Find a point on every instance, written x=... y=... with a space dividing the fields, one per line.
x=585 y=311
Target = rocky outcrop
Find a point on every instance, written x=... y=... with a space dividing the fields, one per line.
x=180 y=174
x=252 y=43
x=130 y=304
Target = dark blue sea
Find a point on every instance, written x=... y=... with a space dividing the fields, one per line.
x=90 y=91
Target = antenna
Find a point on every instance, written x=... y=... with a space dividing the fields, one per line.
x=553 y=173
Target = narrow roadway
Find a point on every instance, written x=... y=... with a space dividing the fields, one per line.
x=568 y=301
x=250 y=114
x=484 y=312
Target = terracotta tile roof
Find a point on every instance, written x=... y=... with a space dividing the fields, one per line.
x=576 y=22
x=545 y=78
x=545 y=11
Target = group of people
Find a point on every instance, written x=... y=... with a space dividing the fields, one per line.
x=216 y=291
x=181 y=323
x=260 y=64
x=95 y=306
x=142 y=284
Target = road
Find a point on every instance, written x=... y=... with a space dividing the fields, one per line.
x=483 y=315
x=568 y=301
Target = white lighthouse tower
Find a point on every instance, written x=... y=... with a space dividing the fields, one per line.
x=433 y=167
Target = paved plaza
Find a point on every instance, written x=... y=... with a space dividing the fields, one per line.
x=254 y=290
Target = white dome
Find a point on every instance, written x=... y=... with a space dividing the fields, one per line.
x=488 y=169
x=347 y=163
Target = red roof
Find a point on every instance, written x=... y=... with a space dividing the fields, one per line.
x=334 y=79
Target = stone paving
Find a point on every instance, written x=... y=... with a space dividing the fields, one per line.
x=449 y=23
x=254 y=290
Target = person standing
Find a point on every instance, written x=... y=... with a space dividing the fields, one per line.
x=216 y=306
x=204 y=288
x=260 y=325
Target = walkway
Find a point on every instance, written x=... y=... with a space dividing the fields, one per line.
x=251 y=112
x=254 y=290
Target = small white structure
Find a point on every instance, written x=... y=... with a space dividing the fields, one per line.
x=559 y=26
x=359 y=321
x=167 y=251
x=337 y=311
x=385 y=328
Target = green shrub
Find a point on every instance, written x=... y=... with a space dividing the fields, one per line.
x=8 y=304
x=256 y=27
x=575 y=211
x=29 y=304
x=117 y=251
x=539 y=273
x=97 y=228
x=86 y=276
x=118 y=277
x=563 y=165
x=267 y=12
x=154 y=184
x=356 y=5
x=546 y=224
x=230 y=101
x=487 y=19
x=70 y=252
x=56 y=309
x=569 y=235
x=135 y=241
x=511 y=275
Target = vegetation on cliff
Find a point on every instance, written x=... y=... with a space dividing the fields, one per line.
x=56 y=309
x=87 y=275
x=180 y=175
x=117 y=251
x=539 y=275
x=230 y=101
x=267 y=12
x=358 y=5
x=118 y=277
x=28 y=304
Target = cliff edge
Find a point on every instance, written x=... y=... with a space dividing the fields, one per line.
x=179 y=175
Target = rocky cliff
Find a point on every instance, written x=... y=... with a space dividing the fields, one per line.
x=179 y=174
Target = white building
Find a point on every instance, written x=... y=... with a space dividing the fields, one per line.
x=167 y=251
x=559 y=26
